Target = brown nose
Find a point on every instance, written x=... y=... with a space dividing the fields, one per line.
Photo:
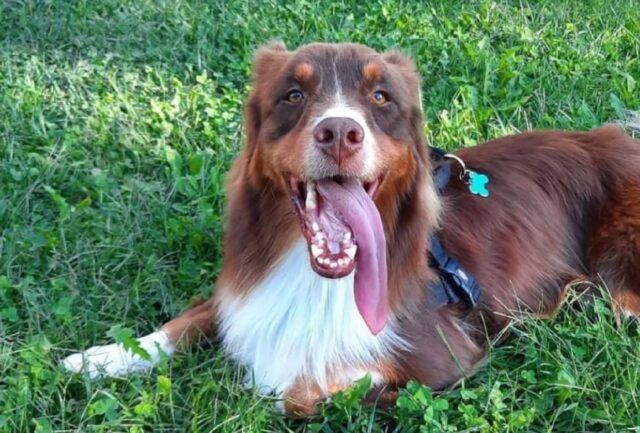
x=338 y=137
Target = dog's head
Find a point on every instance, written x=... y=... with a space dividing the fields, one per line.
x=337 y=128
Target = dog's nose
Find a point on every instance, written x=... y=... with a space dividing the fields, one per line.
x=338 y=137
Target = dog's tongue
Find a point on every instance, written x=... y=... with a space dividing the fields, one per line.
x=358 y=211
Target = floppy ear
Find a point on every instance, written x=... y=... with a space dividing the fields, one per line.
x=269 y=56
x=400 y=60
x=267 y=62
x=407 y=69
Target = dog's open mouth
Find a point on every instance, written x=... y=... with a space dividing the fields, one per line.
x=344 y=233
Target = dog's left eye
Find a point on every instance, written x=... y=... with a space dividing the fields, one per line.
x=294 y=96
x=379 y=97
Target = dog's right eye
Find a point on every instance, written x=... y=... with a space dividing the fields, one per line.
x=294 y=96
x=380 y=97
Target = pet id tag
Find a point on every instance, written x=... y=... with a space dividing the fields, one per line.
x=476 y=182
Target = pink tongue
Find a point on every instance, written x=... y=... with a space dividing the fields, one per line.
x=358 y=210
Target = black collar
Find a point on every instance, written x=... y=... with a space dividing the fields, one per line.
x=453 y=284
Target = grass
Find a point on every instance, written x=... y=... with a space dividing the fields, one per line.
x=118 y=121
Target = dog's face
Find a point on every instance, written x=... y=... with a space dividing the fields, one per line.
x=331 y=110
x=335 y=126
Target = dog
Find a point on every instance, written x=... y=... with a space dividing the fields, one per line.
x=334 y=209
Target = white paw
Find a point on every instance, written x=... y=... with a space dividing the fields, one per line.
x=105 y=361
x=114 y=360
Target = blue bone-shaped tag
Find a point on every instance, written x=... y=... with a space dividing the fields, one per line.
x=478 y=183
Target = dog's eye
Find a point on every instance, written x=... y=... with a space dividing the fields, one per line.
x=379 y=97
x=294 y=96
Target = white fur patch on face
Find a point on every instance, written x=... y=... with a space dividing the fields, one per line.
x=315 y=158
x=341 y=108
x=296 y=323
x=114 y=360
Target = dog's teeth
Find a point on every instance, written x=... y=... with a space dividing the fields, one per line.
x=351 y=251
x=318 y=238
x=341 y=262
x=310 y=202
x=316 y=251
x=315 y=227
x=333 y=265
x=346 y=237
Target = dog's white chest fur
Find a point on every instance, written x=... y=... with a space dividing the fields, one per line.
x=296 y=323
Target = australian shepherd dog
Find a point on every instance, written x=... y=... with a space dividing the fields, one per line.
x=332 y=206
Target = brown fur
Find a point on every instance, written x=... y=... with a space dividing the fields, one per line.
x=614 y=246
x=303 y=72
x=372 y=72
x=563 y=205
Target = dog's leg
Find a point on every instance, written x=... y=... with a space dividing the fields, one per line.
x=614 y=248
x=116 y=360
x=302 y=398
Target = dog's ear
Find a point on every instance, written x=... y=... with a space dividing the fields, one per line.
x=407 y=69
x=268 y=59
x=403 y=62
x=267 y=62
x=275 y=45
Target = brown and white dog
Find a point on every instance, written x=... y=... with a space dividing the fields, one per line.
x=331 y=208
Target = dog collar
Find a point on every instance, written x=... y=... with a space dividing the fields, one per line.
x=454 y=284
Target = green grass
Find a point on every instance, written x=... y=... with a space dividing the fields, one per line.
x=118 y=121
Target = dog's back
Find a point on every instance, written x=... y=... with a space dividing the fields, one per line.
x=564 y=206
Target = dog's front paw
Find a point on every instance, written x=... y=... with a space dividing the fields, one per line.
x=298 y=409
x=105 y=361
x=115 y=360
x=301 y=400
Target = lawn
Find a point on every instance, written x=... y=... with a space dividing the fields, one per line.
x=118 y=122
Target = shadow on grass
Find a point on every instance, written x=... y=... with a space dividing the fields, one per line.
x=171 y=36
